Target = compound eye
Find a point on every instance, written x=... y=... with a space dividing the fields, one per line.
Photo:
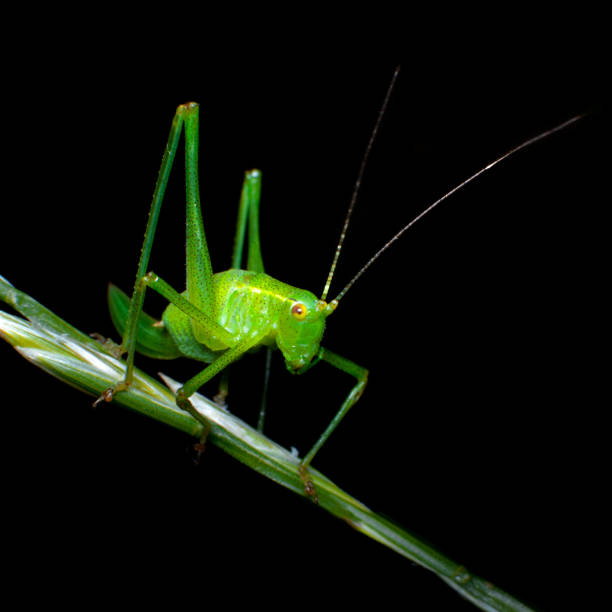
x=299 y=311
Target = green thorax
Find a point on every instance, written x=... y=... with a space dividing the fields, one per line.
x=248 y=301
x=251 y=304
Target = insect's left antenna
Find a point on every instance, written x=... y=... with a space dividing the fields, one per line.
x=381 y=113
x=385 y=246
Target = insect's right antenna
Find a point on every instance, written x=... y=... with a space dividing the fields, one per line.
x=450 y=193
x=383 y=108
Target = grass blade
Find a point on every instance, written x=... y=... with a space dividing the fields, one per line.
x=68 y=354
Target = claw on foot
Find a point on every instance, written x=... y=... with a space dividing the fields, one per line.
x=309 y=487
x=183 y=403
x=221 y=400
x=107 y=396
x=112 y=347
x=199 y=448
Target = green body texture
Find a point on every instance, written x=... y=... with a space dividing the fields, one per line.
x=253 y=304
x=246 y=304
x=219 y=317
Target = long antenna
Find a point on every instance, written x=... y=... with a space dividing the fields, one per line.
x=381 y=112
x=450 y=193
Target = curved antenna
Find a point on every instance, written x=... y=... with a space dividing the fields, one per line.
x=381 y=112
x=450 y=193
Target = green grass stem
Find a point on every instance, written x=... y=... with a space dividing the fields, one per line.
x=58 y=348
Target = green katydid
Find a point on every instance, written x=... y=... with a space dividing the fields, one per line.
x=220 y=317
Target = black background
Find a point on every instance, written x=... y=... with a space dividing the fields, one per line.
x=480 y=327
